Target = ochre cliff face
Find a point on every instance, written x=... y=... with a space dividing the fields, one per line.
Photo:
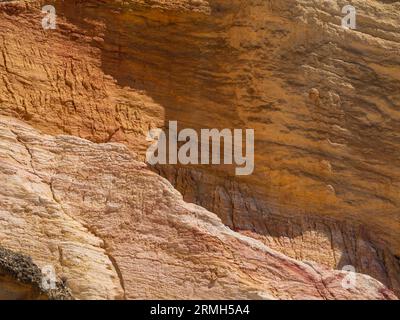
x=113 y=229
x=324 y=103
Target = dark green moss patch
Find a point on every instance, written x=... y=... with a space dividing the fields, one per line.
x=24 y=271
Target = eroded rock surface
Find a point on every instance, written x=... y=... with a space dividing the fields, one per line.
x=323 y=101
x=114 y=229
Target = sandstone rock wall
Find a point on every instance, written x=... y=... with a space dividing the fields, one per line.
x=113 y=229
x=323 y=101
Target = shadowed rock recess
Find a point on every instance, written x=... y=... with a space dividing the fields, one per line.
x=76 y=104
x=21 y=279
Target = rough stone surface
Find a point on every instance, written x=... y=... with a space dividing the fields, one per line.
x=114 y=229
x=323 y=101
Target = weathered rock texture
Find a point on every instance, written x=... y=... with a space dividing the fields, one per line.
x=323 y=101
x=114 y=229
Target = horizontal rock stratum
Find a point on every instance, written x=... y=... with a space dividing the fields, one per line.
x=323 y=100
